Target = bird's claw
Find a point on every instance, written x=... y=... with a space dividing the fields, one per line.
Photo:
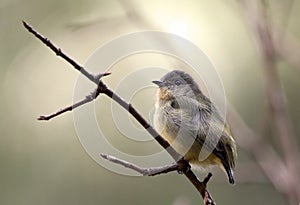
x=183 y=166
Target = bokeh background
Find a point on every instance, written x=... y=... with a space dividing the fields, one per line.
x=44 y=162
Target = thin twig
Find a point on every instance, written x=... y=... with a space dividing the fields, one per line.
x=152 y=171
x=87 y=99
x=102 y=88
x=60 y=53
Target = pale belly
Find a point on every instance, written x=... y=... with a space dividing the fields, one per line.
x=188 y=147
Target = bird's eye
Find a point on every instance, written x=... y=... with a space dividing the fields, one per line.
x=174 y=104
x=177 y=82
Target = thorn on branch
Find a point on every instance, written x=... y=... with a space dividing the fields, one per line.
x=99 y=76
x=207 y=178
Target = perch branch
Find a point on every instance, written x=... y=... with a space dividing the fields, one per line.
x=153 y=171
x=102 y=88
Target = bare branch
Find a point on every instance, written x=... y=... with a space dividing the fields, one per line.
x=275 y=97
x=102 y=88
x=60 y=53
x=153 y=171
x=144 y=171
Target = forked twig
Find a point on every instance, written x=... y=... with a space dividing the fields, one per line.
x=87 y=99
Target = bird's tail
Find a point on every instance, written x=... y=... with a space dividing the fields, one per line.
x=229 y=173
x=230 y=155
x=227 y=156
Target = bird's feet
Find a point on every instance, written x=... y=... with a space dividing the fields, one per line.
x=183 y=166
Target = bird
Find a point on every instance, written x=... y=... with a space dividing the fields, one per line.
x=192 y=124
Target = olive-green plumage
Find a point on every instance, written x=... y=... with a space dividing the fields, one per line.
x=190 y=122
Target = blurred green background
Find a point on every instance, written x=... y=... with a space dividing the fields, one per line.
x=44 y=162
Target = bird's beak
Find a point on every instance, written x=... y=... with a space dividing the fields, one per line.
x=159 y=83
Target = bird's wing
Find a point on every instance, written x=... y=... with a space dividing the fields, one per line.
x=203 y=123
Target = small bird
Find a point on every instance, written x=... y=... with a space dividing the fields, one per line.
x=191 y=123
